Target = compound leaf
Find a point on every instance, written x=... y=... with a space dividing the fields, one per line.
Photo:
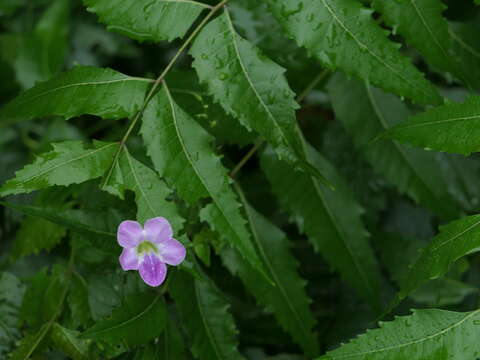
x=181 y=151
x=234 y=69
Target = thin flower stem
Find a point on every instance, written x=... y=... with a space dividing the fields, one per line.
x=259 y=142
x=157 y=83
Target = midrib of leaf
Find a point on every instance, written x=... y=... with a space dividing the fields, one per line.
x=189 y=158
x=83 y=84
x=428 y=123
x=470 y=49
x=456 y=236
x=72 y=343
x=270 y=267
x=67 y=162
x=393 y=347
x=363 y=46
x=139 y=185
x=38 y=338
x=205 y=325
x=249 y=80
x=381 y=117
x=129 y=320
x=432 y=34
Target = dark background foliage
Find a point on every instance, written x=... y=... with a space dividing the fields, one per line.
x=48 y=294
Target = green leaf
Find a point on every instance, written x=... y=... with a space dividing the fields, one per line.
x=68 y=342
x=286 y=297
x=426 y=334
x=41 y=54
x=181 y=151
x=146 y=19
x=171 y=345
x=443 y=292
x=234 y=69
x=104 y=294
x=68 y=163
x=139 y=319
x=422 y=25
x=455 y=240
x=36 y=234
x=330 y=218
x=466 y=48
x=440 y=292
x=102 y=92
x=100 y=224
x=452 y=128
x=461 y=174
x=11 y=294
x=41 y=299
x=77 y=300
x=205 y=315
x=192 y=97
x=343 y=35
x=150 y=191
x=367 y=112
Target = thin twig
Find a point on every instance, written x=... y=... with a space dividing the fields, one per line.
x=157 y=83
x=247 y=157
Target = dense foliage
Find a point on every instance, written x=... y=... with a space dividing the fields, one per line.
x=316 y=158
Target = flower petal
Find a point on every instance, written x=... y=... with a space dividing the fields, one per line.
x=129 y=233
x=129 y=259
x=152 y=270
x=172 y=252
x=158 y=230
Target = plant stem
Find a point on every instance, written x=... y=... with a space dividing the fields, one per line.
x=312 y=85
x=157 y=83
x=247 y=157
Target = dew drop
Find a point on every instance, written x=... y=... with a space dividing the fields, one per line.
x=476 y=322
x=223 y=76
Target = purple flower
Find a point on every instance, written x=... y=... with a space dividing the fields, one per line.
x=148 y=249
